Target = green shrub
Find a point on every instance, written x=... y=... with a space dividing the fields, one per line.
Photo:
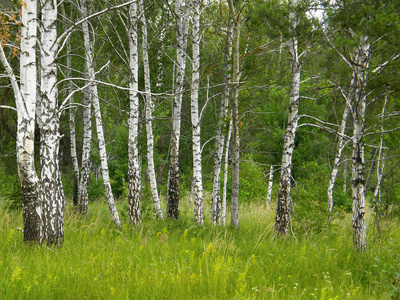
x=10 y=190
x=252 y=185
x=310 y=200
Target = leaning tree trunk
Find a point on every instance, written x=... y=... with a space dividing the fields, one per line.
x=381 y=158
x=338 y=156
x=235 y=116
x=215 y=207
x=134 y=182
x=149 y=115
x=88 y=43
x=283 y=206
x=53 y=224
x=197 y=173
x=173 y=174
x=358 y=177
x=25 y=99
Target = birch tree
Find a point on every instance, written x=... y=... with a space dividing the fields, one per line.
x=86 y=164
x=93 y=94
x=182 y=27
x=282 y=219
x=197 y=173
x=51 y=195
x=226 y=169
x=149 y=107
x=215 y=207
x=134 y=183
x=235 y=114
x=339 y=149
x=359 y=103
x=72 y=114
x=25 y=100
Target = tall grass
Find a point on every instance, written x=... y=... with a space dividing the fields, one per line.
x=179 y=260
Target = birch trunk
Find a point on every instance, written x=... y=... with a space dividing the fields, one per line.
x=53 y=224
x=270 y=182
x=226 y=169
x=26 y=105
x=358 y=177
x=173 y=174
x=215 y=208
x=197 y=174
x=133 y=151
x=88 y=43
x=149 y=106
x=86 y=164
x=72 y=112
x=338 y=156
x=235 y=116
x=25 y=100
x=282 y=219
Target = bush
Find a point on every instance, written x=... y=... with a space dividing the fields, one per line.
x=252 y=184
x=10 y=190
x=310 y=200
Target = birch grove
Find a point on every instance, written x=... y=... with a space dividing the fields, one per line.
x=199 y=87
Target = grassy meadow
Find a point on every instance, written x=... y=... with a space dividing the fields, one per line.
x=179 y=260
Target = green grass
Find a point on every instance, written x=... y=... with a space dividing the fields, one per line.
x=178 y=260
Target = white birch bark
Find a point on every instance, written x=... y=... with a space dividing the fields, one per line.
x=196 y=128
x=215 y=207
x=134 y=182
x=282 y=219
x=32 y=205
x=25 y=100
x=88 y=43
x=358 y=177
x=226 y=169
x=173 y=174
x=235 y=116
x=270 y=183
x=338 y=156
x=149 y=107
x=86 y=163
x=53 y=224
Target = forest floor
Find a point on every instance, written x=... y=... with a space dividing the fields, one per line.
x=179 y=260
